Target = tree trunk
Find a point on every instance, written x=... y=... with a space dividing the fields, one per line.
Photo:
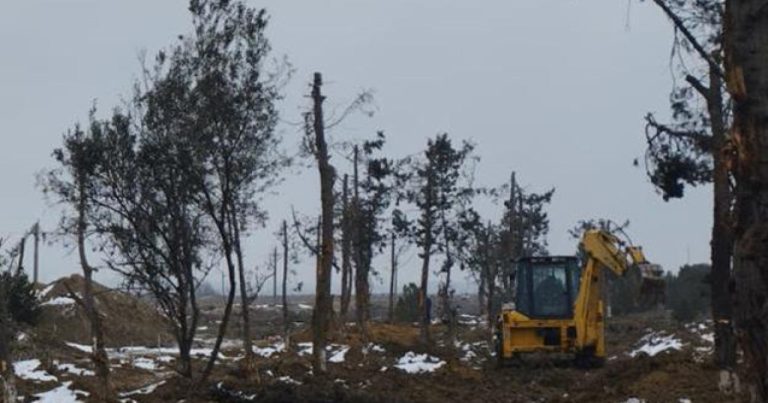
x=98 y=353
x=362 y=259
x=481 y=291
x=249 y=360
x=722 y=244
x=424 y=305
x=392 y=281
x=490 y=280
x=323 y=301
x=448 y=311
x=346 y=250
x=746 y=39
x=225 y=235
x=286 y=324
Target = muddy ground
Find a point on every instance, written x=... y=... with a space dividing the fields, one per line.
x=650 y=358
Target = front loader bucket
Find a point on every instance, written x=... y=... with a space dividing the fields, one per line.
x=653 y=287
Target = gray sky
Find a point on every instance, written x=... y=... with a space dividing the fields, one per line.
x=555 y=90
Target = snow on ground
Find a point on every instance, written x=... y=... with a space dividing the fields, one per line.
x=74 y=370
x=340 y=355
x=145 y=363
x=269 y=351
x=413 y=363
x=287 y=379
x=59 y=301
x=143 y=391
x=375 y=348
x=46 y=290
x=656 y=343
x=337 y=352
x=62 y=394
x=306 y=307
x=28 y=369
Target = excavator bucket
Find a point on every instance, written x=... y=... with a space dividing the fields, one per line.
x=653 y=287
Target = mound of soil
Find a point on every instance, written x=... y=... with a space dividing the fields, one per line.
x=128 y=320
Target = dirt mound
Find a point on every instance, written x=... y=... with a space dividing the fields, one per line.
x=128 y=320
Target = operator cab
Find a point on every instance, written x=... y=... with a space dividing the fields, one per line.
x=546 y=287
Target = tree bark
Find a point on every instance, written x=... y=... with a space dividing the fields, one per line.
x=323 y=301
x=746 y=41
x=722 y=244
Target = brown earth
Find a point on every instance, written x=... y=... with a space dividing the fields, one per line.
x=666 y=377
x=128 y=320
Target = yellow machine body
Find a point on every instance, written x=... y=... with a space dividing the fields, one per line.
x=570 y=317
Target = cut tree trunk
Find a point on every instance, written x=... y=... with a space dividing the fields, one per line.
x=323 y=303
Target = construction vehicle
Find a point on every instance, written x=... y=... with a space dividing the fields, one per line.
x=558 y=304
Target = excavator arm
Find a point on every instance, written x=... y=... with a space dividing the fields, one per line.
x=609 y=251
x=605 y=250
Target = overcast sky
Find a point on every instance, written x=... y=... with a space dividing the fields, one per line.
x=554 y=90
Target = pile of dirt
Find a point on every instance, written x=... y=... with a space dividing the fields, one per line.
x=127 y=319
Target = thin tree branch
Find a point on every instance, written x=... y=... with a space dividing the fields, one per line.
x=680 y=25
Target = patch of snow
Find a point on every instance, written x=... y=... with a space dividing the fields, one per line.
x=165 y=359
x=145 y=363
x=81 y=347
x=413 y=363
x=59 y=301
x=656 y=343
x=46 y=290
x=75 y=370
x=339 y=356
x=708 y=337
x=269 y=351
x=634 y=400
x=202 y=328
x=383 y=369
x=21 y=336
x=143 y=391
x=375 y=348
x=306 y=307
x=305 y=348
x=684 y=400
x=62 y=394
x=27 y=369
x=287 y=379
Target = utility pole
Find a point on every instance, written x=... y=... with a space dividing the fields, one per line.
x=274 y=276
x=392 y=280
x=286 y=328
x=36 y=232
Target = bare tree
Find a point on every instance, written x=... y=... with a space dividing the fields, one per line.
x=323 y=303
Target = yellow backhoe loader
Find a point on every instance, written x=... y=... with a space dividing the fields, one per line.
x=558 y=304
